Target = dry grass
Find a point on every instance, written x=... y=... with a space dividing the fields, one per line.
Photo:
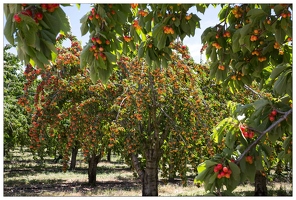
x=24 y=176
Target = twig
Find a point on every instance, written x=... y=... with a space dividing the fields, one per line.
x=248 y=88
x=262 y=133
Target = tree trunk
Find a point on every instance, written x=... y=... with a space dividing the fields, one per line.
x=260 y=184
x=73 y=158
x=109 y=155
x=150 y=179
x=92 y=169
x=172 y=174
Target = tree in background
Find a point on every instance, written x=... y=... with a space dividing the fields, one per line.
x=16 y=120
x=164 y=117
x=69 y=111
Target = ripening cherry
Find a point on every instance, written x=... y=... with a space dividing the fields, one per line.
x=249 y=159
x=219 y=166
x=44 y=6
x=17 y=18
x=271 y=118
x=246 y=134
x=274 y=112
x=242 y=128
x=251 y=134
x=39 y=16
x=225 y=169
x=216 y=169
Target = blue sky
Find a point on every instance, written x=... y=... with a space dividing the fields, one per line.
x=210 y=18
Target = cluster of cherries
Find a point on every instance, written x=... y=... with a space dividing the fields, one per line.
x=223 y=171
x=34 y=12
x=246 y=132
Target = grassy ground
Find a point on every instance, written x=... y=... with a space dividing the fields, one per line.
x=24 y=176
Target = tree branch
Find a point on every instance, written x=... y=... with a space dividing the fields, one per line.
x=136 y=165
x=249 y=88
x=262 y=133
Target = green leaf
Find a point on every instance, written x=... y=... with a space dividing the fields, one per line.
x=50 y=46
x=177 y=22
x=250 y=172
x=230 y=137
x=40 y=56
x=93 y=74
x=78 y=5
x=164 y=63
x=47 y=35
x=201 y=8
x=212 y=178
x=86 y=56
x=268 y=48
x=148 y=26
x=51 y=21
x=201 y=167
x=280 y=85
x=218 y=131
x=104 y=74
x=256 y=13
x=280 y=35
x=235 y=170
x=9 y=29
x=148 y=59
x=84 y=28
x=184 y=26
x=278 y=9
x=245 y=30
x=141 y=50
x=210 y=163
x=111 y=58
x=63 y=20
x=260 y=103
x=235 y=44
x=122 y=17
x=278 y=70
x=157 y=29
x=161 y=41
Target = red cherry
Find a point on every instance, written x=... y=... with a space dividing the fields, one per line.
x=274 y=112
x=17 y=18
x=225 y=169
x=271 y=118
x=246 y=134
x=216 y=169
x=251 y=134
x=44 y=6
x=27 y=12
x=242 y=128
x=39 y=16
x=219 y=166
